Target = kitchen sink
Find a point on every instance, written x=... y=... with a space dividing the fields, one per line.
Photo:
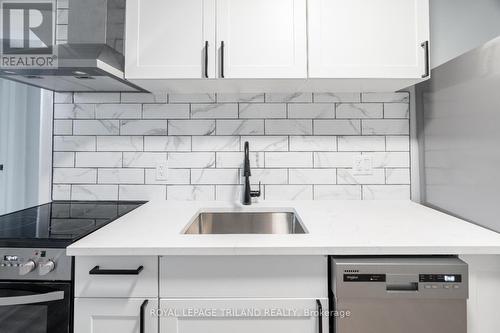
x=246 y=223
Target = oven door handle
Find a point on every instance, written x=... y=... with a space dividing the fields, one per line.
x=32 y=299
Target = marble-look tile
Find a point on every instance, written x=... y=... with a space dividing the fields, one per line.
x=96 y=127
x=358 y=110
x=289 y=98
x=165 y=111
x=386 y=127
x=337 y=127
x=289 y=192
x=313 y=176
x=174 y=177
x=74 y=143
x=143 y=127
x=214 y=111
x=191 y=127
x=289 y=127
x=215 y=176
x=289 y=160
x=390 y=159
x=143 y=160
x=86 y=97
x=63 y=160
x=269 y=176
x=347 y=176
x=143 y=97
x=311 y=111
x=62 y=97
x=191 y=192
x=191 y=160
x=337 y=97
x=313 y=143
x=235 y=159
x=334 y=159
x=216 y=143
x=261 y=110
x=63 y=127
x=98 y=159
x=118 y=111
x=337 y=192
x=397 y=176
x=265 y=143
x=167 y=143
x=386 y=192
x=397 y=97
x=397 y=110
x=74 y=111
x=361 y=143
x=142 y=192
x=61 y=192
x=94 y=192
x=120 y=176
x=397 y=143
x=74 y=176
x=120 y=143
x=191 y=98
x=242 y=98
x=232 y=193
x=240 y=127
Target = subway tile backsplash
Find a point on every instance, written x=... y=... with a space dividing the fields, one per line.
x=303 y=146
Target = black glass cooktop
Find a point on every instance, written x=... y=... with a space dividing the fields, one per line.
x=60 y=223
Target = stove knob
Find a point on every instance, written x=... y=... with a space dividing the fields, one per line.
x=45 y=268
x=27 y=267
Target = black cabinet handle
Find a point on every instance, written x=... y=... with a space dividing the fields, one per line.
x=206 y=59
x=141 y=316
x=97 y=271
x=425 y=45
x=1 y=167
x=222 y=59
x=320 y=316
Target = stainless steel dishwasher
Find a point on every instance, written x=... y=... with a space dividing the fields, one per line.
x=399 y=295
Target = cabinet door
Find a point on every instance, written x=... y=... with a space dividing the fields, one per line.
x=166 y=39
x=242 y=316
x=113 y=315
x=262 y=38
x=367 y=38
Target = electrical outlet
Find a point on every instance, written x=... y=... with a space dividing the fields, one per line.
x=162 y=171
x=362 y=165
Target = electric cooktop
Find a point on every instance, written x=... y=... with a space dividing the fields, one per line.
x=59 y=223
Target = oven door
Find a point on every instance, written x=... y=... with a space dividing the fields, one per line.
x=35 y=307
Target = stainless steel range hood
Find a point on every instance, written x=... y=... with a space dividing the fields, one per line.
x=92 y=57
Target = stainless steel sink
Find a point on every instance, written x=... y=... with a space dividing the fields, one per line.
x=246 y=223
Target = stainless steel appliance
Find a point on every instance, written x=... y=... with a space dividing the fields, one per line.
x=91 y=59
x=36 y=278
x=399 y=295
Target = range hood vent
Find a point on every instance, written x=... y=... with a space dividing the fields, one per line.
x=92 y=57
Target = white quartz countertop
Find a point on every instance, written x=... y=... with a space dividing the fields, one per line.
x=334 y=228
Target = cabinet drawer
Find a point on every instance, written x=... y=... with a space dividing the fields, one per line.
x=115 y=315
x=243 y=276
x=243 y=315
x=116 y=277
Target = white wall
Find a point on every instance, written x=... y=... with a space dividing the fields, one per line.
x=458 y=26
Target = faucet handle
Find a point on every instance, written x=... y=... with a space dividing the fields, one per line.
x=255 y=194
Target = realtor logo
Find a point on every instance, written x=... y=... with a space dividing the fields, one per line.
x=27 y=34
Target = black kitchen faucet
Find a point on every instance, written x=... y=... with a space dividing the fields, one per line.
x=249 y=194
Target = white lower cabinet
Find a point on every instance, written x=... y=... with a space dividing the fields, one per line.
x=115 y=315
x=243 y=315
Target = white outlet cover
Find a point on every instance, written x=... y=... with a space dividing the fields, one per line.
x=162 y=171
x=363 y=165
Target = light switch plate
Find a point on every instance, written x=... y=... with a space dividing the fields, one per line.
x=162 y=171
x=362 y=165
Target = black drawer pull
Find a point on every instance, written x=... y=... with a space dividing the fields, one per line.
x=320 y=316
x=141 y=316
x=425 y=45
x=97 y=271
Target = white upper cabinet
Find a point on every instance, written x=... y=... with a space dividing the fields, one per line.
x=368 y=38
x=170 y=39
x=262 y=38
